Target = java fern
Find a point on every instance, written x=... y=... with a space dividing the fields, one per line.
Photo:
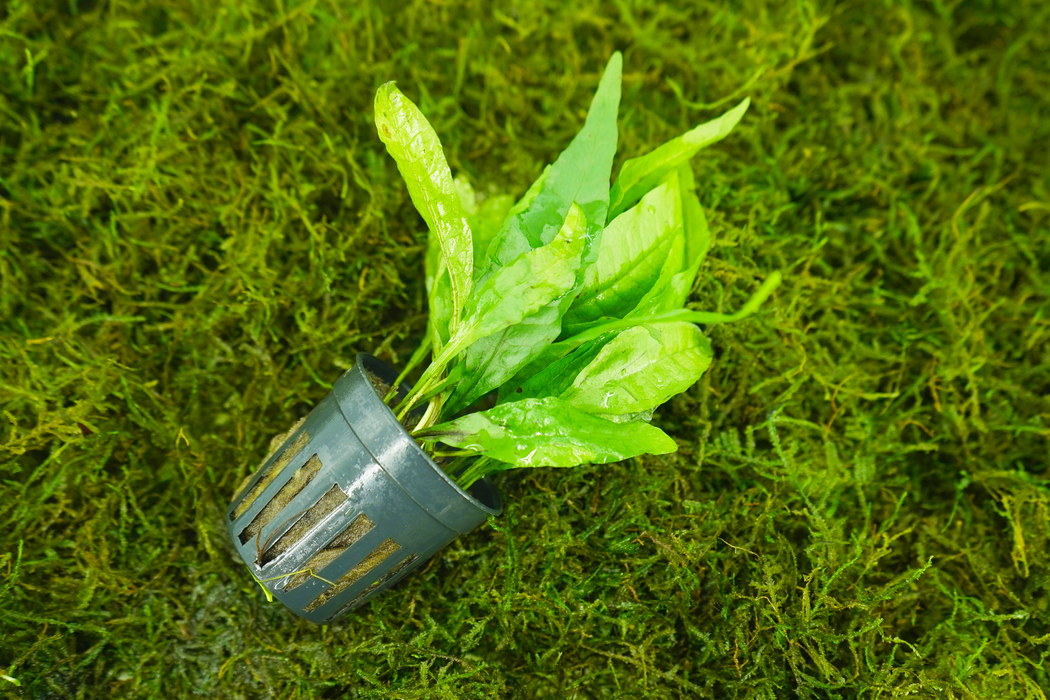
x=569 y=304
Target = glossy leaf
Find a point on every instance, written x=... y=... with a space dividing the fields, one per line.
x=641 y=368
x=529 y=293
x=415 y=147
x=634 y=249
x=510 y=221
x=494 y=359
x=640 y=175
x=439 y=296
x=687 y=315
x=485 y=224
x=552 y=372
x=549 y=433
x=535 y=279
x=672 y=288
x=580 y=174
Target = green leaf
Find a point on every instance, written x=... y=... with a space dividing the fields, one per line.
x=640 y=175
x=494 y=359
x=524 y=299
x=634 y=249
x=510 y=222
x=580 y=174
x=485 y=224
x=672 y=288
x=707 y=317
x=424 y=348
x=552 y=372
x=664 y=293
x=415 y=147
x=641 y=368
x=697 y=233
x=439 y=297
x=549 y=433
x=535 y=279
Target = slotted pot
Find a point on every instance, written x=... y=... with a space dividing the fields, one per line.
x=348 y=504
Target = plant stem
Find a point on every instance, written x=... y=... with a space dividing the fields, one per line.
x=480 y=468
x=431 y=415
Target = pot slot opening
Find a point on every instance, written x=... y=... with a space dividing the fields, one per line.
x=357 y=529
x=300 y=479
x=278 y=464
x=371 y=589
x=374 y=559
x=305 y=521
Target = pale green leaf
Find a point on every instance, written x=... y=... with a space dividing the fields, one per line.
x=552 y=372
x=531 y=282
x=415 y=147
x=697 y=233
x=635 y=248
x=641 y=368
x=549 y=433
x=640 y=175
x=706 y=317
x=672 y=288
x=667 y=289
x=580 y=174
x=439 y=296
x=494 y=359
x=517 y=311
x=485 y=224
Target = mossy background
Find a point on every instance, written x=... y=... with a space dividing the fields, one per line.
x=199 y=229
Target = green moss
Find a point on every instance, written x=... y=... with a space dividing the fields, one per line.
x=199 y=230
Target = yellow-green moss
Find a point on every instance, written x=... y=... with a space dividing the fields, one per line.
x=199 y=230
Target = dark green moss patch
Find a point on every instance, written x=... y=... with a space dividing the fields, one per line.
x=199 y=230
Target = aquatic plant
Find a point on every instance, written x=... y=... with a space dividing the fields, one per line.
x=569 y=304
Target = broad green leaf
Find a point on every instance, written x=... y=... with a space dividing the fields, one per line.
x=468 y=198
x=580 y=174
x=706 y=317
x=664 y=293
x=697 y=233
x=485 y=224
x=439 y=297
x=415 y=147
x=640 y=175
x=549 y=433
x=634 y=249
x=521 y=305
x=556 y=373
x=508 y=223
x=673 y=287
x=641 y=368
x=534 y=280
x=494 y=359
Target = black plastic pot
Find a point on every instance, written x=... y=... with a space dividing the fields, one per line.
x=349 y=504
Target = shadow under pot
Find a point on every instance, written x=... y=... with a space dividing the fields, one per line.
x=347 y=504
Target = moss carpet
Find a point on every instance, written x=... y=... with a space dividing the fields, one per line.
x=199 y=229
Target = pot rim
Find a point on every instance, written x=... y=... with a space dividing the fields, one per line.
x=369 y=363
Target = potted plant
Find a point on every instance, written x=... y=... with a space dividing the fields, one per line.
x=568 y=306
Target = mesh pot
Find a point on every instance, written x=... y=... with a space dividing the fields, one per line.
x=348 y=504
